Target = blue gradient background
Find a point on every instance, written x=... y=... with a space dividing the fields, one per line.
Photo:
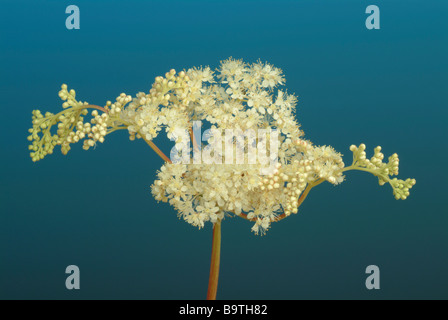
x=94 y=209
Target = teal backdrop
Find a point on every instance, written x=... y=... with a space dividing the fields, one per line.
x=94 y=208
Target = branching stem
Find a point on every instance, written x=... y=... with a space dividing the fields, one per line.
x=214 y=263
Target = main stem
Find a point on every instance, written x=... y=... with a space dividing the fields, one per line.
x=156 y=149
x=214 y=264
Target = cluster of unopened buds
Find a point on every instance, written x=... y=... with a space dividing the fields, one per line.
x=97 y=132
x=273 y=180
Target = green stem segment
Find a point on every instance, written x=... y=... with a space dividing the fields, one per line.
x=214 y=264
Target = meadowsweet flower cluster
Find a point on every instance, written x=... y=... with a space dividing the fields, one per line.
x=237 y=96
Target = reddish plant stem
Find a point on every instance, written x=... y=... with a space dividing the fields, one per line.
x=214 y=264
x=92 y=106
